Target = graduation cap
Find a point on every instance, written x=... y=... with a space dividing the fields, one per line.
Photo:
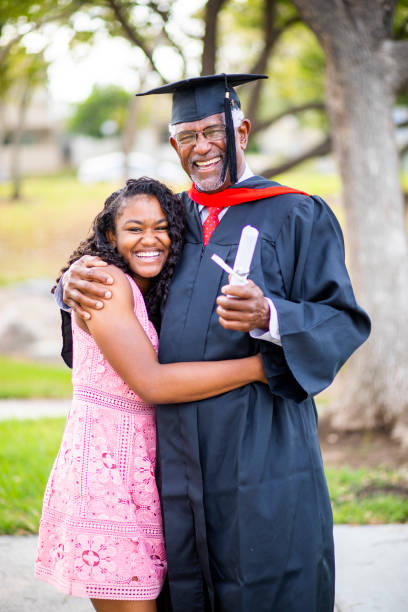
x=200 y=97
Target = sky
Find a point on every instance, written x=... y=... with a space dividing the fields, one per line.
x=72 y=73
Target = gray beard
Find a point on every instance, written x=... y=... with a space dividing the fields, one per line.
x=210 y=184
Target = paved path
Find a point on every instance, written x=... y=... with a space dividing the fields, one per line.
x=33 y=408
x=371 y=568
x=371 y=561
x=372 y=573
x=20 y=591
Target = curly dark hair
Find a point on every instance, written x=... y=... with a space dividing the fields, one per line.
x=98 y=244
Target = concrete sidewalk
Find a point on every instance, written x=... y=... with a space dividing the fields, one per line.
x=33 y=408
x=371 y=568
x=372 y=573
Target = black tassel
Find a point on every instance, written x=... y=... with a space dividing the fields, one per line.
x=230 y=154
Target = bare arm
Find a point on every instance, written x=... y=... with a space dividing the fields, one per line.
x=124 y=343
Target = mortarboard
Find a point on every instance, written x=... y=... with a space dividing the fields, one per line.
x=200 y=97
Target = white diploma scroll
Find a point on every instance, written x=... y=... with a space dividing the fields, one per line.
x=243 y=259
x=246 y=249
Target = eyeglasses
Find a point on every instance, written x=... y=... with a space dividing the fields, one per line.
x=212 y=133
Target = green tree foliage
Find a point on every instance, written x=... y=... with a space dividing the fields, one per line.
x=104 y=103
x=20 y=18
x=295 y=64
x=268 y=36
x=400 y=25
x=236 y=35
x=24 y=11
x=401 y=33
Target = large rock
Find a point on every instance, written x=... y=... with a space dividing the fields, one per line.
x=29 y=321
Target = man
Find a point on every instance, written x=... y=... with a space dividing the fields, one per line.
x=246 y=510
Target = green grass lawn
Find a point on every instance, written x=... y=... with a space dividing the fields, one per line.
x=38 y=233
x=28 y=449
x=368 y=496
x=23 y=379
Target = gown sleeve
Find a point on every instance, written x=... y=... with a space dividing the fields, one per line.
x=66 y=351
x=320 y=323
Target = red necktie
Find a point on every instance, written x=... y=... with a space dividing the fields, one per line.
x=211 y=222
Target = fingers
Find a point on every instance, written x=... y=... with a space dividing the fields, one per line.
x=89 y=289
x=241 y=291
x=234 y=304
x=235 y=325
x=237 y=320
x=80 y=301
x=75 y=308
x=84 y=285
x=92 y=274
x=243 y=308
x=83 y=300
x=86 y=294
x=89 y=267
x=250 y=297
x=98 y=275
x=91 y=260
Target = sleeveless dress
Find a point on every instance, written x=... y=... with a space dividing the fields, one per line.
x=101 y=530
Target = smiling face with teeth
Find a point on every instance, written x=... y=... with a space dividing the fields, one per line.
x=204 y=159
x=141 y=237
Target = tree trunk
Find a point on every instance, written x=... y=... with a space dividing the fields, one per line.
x=15 y=170
x=210 y=36
x=374 y=385
x=129 y=133
x=2 y=125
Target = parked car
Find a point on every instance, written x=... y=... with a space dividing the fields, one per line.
x=110 y=167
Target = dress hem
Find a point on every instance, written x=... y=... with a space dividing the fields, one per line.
x=99 y=591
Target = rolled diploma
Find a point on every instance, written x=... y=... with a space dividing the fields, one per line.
x=243 y=258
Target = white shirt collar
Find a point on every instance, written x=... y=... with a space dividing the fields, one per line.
x=245 y=175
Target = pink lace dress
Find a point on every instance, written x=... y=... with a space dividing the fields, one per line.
x=101 y=530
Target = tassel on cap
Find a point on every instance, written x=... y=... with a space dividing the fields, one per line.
x=230 y=160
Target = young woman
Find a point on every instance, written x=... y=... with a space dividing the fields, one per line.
x=101 y=532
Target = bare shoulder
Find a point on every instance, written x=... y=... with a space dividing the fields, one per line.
x=121 y=289
x=116 y=272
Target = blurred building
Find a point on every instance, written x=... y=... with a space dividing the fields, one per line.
x=44 y=148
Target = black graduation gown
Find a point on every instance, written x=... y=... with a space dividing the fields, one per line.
x=247 y=515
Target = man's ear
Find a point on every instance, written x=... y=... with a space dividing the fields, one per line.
x=243 y=133
x=174 y=144
x=111 y=237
